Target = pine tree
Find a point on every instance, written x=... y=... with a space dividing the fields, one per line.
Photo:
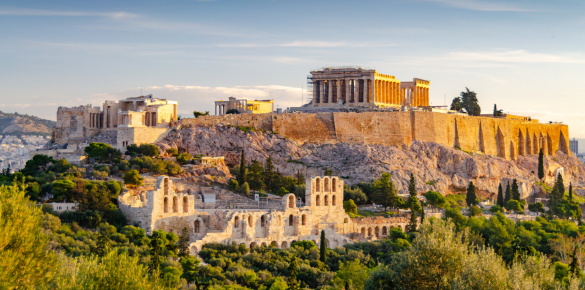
x=269 y=173
x=412 y=186
x=560 y=185
x=515 y=190
x=571 y=191
x=323 y=249
x=500 y=201
x=183 y=243
x=412 y=224
x=293 y=284
x=422 y=214
x=243 y=170
x=508 y=195
x=471 y=197
x=495 y=110
x=541 y=164
x=574 y=266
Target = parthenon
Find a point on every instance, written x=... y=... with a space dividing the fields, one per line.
x=358 y=87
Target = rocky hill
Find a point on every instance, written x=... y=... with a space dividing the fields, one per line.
x=17 y=124
x=436 y=167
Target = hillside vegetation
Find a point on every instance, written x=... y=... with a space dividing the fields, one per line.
x=17 y=124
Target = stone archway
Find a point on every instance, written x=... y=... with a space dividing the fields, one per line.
x=274 y=244
x=369 y=232
x=384 y=231
x=284 y=245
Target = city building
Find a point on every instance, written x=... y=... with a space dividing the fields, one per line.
x=243 y=106
x=359 y=87
x=574 y=146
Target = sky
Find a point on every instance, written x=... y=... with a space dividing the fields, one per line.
x=525 y=56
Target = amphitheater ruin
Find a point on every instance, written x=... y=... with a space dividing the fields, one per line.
x=213 y=215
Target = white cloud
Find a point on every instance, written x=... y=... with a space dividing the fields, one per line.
x=39 y=12
x=483 y=5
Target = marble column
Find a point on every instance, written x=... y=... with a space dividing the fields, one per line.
x=366 y=96
x=315 y=83
x=338 y=89
x=321 y=89
x=330 y=94
x=347 y=91
x=373 y=91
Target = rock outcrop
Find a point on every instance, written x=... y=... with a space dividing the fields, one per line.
x=435 y=167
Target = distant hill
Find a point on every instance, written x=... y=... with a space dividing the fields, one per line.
x=17 y=124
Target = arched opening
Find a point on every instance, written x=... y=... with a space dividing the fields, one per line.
x=166 y=202
x=318 y=199
x=326 y=184
x=284 y=245
x=263 y=245
x=369 y=232
x=262 y=221
x=166 y=186
x=185 y=204
x=274 y=244
x=333 y=200
x=384 y=231
x=196 y=227
x=237 y=222
x=327 y=244
x=333 y=184
x=290 y=220
x=175 y=205
x=318 y=184
x=377 y=231
x=253 y=245
x=250 y=220
x=304 y=220
x=291 y=201
x=345 y=220
x=194 y=250
x=364 y=231
x=326 y=200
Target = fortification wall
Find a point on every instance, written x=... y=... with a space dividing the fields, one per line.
x=505 y=138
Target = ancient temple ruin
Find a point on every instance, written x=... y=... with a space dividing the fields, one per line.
x=359 y=87
x=253 y=222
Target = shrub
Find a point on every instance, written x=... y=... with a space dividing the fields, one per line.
x=233 y=185
x=133 y=177
x=173 y=151
x=245 y=188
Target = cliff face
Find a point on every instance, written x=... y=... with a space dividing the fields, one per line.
x=435 y=167
x=15 y=123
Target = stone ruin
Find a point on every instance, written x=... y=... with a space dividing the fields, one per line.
x=214 y=215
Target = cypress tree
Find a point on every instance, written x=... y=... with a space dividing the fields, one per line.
x=471 y=197
x=500 y=201
x=541 y=164
x=495 y=110
x=412 y=186
x=508 y=195
x=323 y=249
x=184 y=243
x=560 y=185
x=515 y=190
x=571 y=191
x=243 y=170
x=574 y=266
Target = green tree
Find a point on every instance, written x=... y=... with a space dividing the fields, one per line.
x=25 y=261
x=571 y=191
x=536 y=207
x=197 y=114
x=183 y=245
x=245 y=188
x=133 y=177
x=350 y=207
x=190 y=266
x=574 y=266
x=541 y=164
x=560 y=185
x=386 y=192
x=351 y=273
x=356 y=194
x=475 y=211
x=500 y=200
x=328 y=172
x=255 y=177
x=269 y=174
x=412 y=186
x=515 y=190
x=436 y=199
x=508 y=195
x=232 y=111
x=293 y=266
x=514 y=205
x=471 y=197
x=63 y=188
x=456 y=104
x=323 y=248
x=498 y=113
x=243 y=176
x=233 y=185
x=415 y=208
x=470 y=103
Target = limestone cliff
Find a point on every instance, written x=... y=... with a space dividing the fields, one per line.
x=11 y=124
x=435 y=167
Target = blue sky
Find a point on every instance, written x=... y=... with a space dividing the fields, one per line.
x=525 y=56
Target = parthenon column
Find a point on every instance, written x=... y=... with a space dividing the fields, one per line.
x=347 y=91
x=357 y=90
x=330 y=92
x=315 y=91
x=387 y=91
x=338 y=90
x=373 y=91
x=366 y=96
x=322 y=88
